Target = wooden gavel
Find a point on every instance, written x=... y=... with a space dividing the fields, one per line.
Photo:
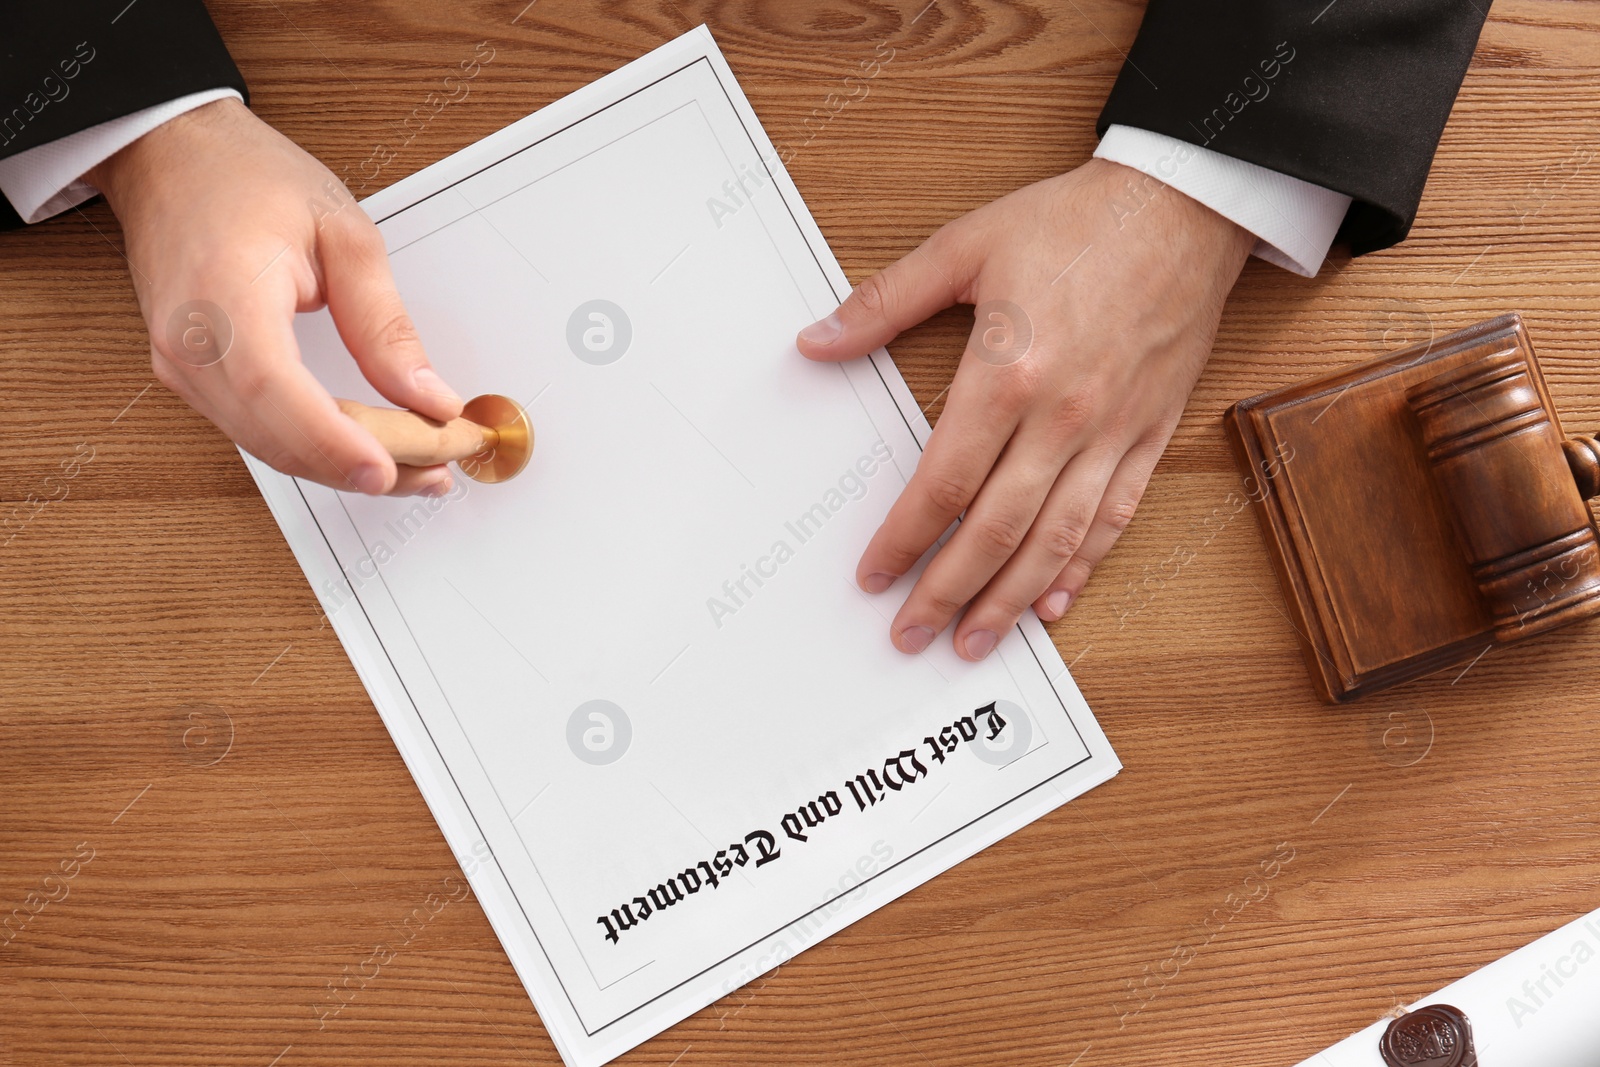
x=1422 y=507
x=1517 y=488
x=490 y=441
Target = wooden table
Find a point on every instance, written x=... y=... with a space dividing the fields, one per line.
x=173 y=708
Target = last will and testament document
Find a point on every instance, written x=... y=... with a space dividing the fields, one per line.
x=664 y=733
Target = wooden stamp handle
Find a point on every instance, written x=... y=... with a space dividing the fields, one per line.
x=418 y=441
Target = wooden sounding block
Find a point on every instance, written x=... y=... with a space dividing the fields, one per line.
x=1422 y=508
x=490 y=442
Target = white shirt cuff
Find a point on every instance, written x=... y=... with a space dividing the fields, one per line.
x=48 y=179
x=1294 y=221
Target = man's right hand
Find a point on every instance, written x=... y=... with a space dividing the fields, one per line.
x=232 y=229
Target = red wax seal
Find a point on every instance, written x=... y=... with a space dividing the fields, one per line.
x=1435 y=1036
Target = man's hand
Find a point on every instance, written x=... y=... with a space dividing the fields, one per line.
x=231 y=229
x=1096 y=309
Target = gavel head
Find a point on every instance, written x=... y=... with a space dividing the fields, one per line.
x=1497 y=456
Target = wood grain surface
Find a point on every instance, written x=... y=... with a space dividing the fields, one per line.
x=174 y=710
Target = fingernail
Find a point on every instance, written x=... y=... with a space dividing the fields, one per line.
x=824 y=332
x=1055 y=605
x=980 y=643
x=438 y=488
x=877 y=583
x=368 y=478
x=915 y=638
x=426 y=379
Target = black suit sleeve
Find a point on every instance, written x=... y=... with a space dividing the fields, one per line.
x=67 y=66
x=1350 y=95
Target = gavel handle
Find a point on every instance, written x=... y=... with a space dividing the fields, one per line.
x=418 y=441
x=1583 y=456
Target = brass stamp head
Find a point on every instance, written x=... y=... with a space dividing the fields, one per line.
x=513 y=438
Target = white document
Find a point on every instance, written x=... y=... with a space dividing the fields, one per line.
x=664 y=733
x=1537 y=1007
